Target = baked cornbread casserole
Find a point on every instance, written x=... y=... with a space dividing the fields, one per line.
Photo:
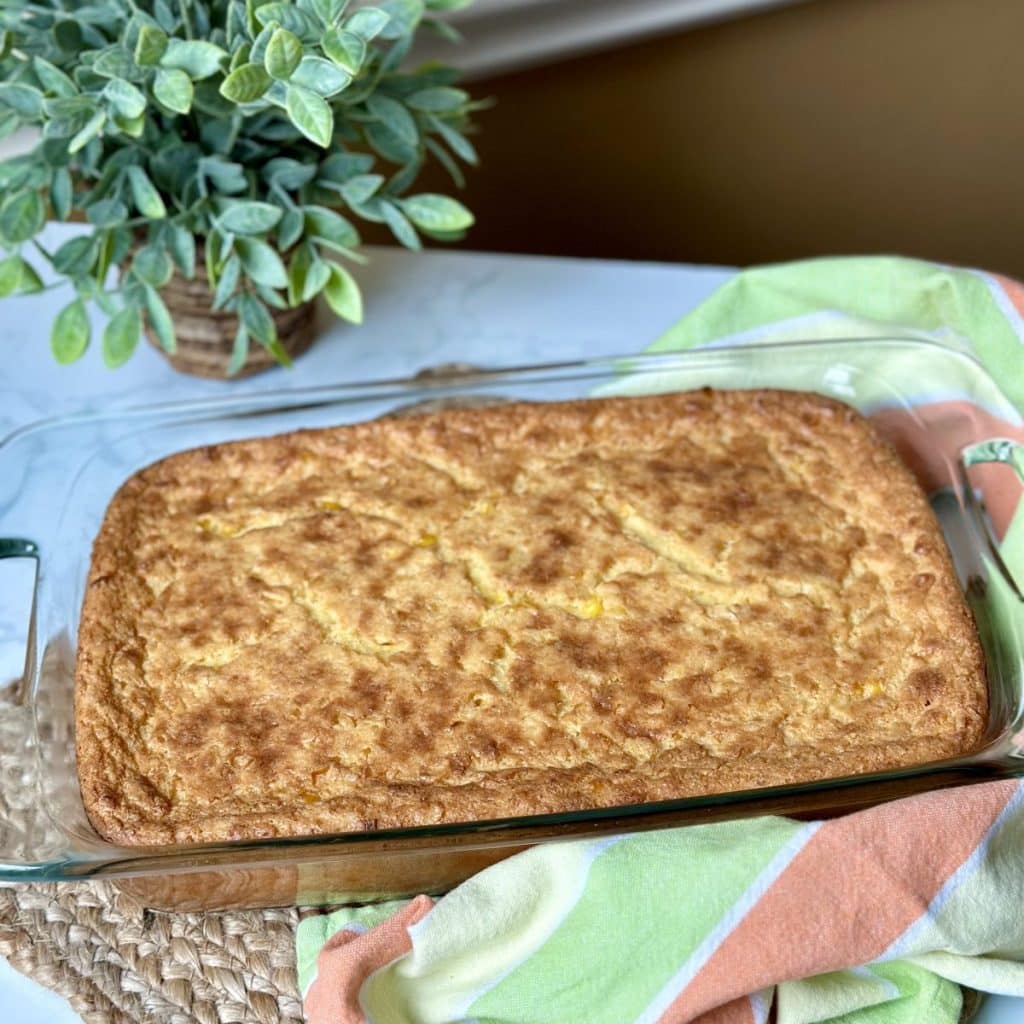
x=487 y=613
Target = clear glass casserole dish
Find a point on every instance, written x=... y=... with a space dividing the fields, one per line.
x=57 y=477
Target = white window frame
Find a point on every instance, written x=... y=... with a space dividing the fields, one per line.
x=505 y=35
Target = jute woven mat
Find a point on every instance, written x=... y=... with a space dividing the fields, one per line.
x=116 y=962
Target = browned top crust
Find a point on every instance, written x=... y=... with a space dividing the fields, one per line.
x=496 y=612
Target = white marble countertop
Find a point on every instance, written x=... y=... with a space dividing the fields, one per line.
x=422 y=310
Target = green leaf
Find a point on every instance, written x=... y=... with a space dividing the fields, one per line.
x=457 y=142
x=228 y=283
x=68 y=35
x=343 y=295
x=89 y=131
x=316 y=280
x=115 y=62
x=121 y=337
x=126 y=100
x=346 y=49
x=197 y=58
x=226 y=175
x=357 y=190
x=298 y=270
x=241 y=56
x=310 y=114
x=144 y=194
x=321 y=76
x=160 y=321
x=289 y=231
x=257 y=320
x=395 y=117
x=174 y=90
x=249 y=218
x=239 y=351
x=340 y=167
x=400 y=226
x=261 y=263
x=405 y=17
x=132 y=126
x=445 y=159
x=291 y=17
x=121 y=240
x=22 y=216
x=151 y=46
x=182 y=246
x=25 y=101
x=61 y=193
x=436 y=213
x=271 y=297
x=106 y=259
x=329 y=227
x=245 y=84
x=329 y=11
x=107 y=213
x=278 y=351
x=10 y=275
x=307 y=275
x=69 y=107
x=261 y=42
x=367 y=22
x=385 y=142
x=440 y=99
x=69 y=336
x=75 y=258
x=31 y=282
x=284 y=53
x=288 y=174
x=153 y=266
x=52 y=79
x=164 y=15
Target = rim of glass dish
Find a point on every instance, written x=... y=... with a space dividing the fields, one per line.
x=382 y=388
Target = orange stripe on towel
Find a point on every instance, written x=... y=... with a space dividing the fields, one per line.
x=1014 y=291
x=872 y=877
x=349 y=958
x=739 y=1011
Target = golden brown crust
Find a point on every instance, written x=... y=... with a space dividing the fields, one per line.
x=487 y=613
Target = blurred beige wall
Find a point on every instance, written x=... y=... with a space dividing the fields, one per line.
x=832 y=126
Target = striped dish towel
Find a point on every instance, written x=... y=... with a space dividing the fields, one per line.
x=875 y=918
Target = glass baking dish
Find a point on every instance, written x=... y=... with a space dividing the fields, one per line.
x=57 y=477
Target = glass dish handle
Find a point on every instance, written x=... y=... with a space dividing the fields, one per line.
x=1007 y=452
x=15 y=547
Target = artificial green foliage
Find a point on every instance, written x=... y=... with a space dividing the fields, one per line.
x=230 y=138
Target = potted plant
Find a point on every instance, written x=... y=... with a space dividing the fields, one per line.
x=220 y=151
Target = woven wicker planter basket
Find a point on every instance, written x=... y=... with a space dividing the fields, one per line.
x=206 y=337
